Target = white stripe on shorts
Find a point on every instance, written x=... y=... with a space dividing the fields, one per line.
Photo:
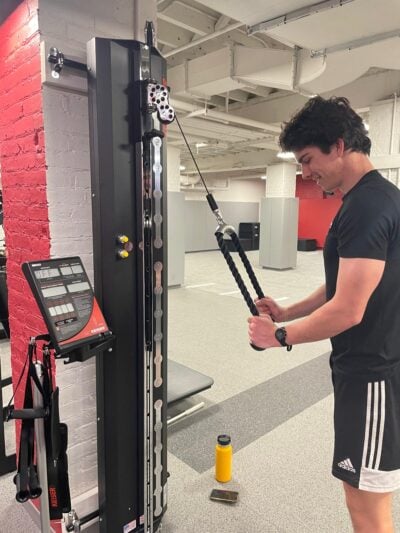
x=374 y=425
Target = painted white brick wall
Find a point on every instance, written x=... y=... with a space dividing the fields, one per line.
x=68 y=175
x=69 y=25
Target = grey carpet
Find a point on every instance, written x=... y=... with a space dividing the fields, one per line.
x=250 y=414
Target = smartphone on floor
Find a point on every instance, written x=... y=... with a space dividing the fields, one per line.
x=227 y=496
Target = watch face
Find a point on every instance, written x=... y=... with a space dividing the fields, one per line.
x=280 y=335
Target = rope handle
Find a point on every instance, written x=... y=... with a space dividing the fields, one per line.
x=235 y=273
x=247 y=265
x=238 y=278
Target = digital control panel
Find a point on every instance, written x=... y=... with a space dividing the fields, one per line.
x=66 y=299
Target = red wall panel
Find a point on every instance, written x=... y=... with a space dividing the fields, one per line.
x=23 y=173
x=316 y=211
x=307 y=189
x=315 y=217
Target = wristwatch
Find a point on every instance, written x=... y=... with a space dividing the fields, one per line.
x=280 y=336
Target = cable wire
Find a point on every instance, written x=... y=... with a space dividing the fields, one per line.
x=191 y=153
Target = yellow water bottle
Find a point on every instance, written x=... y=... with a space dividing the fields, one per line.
x=223 y=459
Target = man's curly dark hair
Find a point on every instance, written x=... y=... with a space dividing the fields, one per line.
x=321 y=122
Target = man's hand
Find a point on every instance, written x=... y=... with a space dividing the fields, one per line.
x=268 y=306
x=262 y=332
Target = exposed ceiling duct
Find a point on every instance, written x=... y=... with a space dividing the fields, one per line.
x=298 y=70
x=329 y=49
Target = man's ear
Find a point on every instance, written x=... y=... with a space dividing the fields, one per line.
x=340 y=147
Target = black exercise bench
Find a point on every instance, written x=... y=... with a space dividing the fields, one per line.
x=184 y=382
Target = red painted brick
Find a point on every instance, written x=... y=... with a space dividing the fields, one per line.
x=25 y=86
x=37 y=213
x=21 y=127
x=32 y=177
x=27 y=144
x=22 y=159
x=11 y=114
x=21 y=55
x=32 y=104
x=31 y=195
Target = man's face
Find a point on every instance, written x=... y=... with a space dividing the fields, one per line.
x=324 y=169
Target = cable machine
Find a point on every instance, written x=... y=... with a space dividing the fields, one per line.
x=128 y=105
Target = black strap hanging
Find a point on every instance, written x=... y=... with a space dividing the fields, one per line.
x=26 y=479
x=56 y=435
x=55 y=432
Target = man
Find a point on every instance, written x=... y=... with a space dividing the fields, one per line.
x=358 y=307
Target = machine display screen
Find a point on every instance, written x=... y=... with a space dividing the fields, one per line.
x=66 y=299
x=47 y=273
x=77 y=287
x=54 y=291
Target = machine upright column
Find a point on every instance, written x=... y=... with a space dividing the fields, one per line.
x=126 y=85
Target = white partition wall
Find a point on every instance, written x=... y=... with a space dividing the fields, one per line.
x=176 y=211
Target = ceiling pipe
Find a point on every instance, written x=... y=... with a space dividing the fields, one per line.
x=204 y=39
x=219 y=115
x=297 y=14
x=359 y=43
x=295 y=68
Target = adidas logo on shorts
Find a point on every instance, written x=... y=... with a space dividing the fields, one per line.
x=346 y=465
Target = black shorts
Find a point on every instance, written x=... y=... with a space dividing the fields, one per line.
x=367 y=433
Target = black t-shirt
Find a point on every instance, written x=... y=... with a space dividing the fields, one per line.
x=368 y=226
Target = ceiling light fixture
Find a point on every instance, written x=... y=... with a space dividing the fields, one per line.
x=285 y=155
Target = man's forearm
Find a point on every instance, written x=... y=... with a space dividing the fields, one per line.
x=325 y=322
x=308 y=305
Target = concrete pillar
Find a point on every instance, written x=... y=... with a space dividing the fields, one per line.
x=176 y=211
x=279 y=213
x=384 y=131
x=281 y=181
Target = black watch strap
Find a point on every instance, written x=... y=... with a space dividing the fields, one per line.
x=280 y=336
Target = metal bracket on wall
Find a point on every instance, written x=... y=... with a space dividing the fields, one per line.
x=67 y=73
x=59 y=61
